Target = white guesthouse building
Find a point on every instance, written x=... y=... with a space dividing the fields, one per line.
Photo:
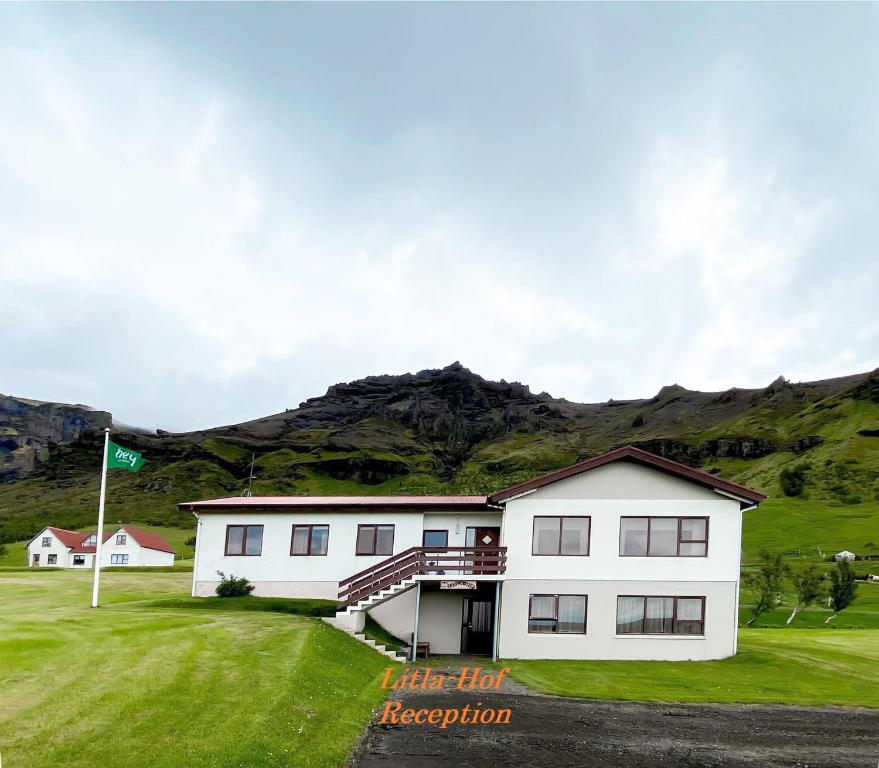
x=59 y=548
x=624 y=556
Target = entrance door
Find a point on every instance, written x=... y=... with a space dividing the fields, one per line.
x=36 y=559
x=482 y=537
x=476 y=634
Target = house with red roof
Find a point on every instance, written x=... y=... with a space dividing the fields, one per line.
x=127 y=546
x=626 y=555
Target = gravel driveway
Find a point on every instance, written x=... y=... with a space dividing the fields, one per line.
x=554 y=731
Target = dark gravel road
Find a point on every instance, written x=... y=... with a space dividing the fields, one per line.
x=552 y=731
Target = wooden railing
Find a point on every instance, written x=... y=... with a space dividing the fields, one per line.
x=416 y=561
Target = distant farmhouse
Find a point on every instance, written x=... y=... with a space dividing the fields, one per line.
x=59 y=548
x=844 y=555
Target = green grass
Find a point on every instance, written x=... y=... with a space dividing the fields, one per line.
x=139 y=684
x=375 y=631
x=291 y=605
x=801 y=667
x=863 y=613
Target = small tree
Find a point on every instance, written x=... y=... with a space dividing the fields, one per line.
x=766 y=583
x=807 y=584
x=793 y=479
x=842 y=585
x=233 y=587
x=190 y=542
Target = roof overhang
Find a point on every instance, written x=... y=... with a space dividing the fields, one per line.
x=747 y=497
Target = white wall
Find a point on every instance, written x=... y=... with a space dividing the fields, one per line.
x=601 y=640
x=57 y=548
x=606 y=494
x=137 y=555
x=275 y=572
x=439 y=621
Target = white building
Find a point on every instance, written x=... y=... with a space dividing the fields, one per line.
x=624 y=556
x=845 y=555
x=60 y=548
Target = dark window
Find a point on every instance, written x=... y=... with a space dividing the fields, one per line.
x=36 y=559
x=121 y=538
x=663 y=536
x=79 y=559
x=53 y=560
x=118 y=559
x=244 y=540
x=310 y=540
x=435 y=539
x=642 y=615
x=47 y=541
x=560 y=536
x=560 y=614
x=91 y=541
x=375 y=540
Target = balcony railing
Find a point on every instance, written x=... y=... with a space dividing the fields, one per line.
x=422 y=561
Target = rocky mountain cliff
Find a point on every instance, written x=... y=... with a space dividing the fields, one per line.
x=438 y=431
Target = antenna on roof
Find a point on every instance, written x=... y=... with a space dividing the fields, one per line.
x=247 y=492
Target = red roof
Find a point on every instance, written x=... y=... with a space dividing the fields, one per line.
x=146 y=539
x=630 y=453
x=263 y=502
x=73 y=539
x=70 y=539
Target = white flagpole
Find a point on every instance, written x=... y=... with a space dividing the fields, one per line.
x=100 y=532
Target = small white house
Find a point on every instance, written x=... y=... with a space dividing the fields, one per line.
x=59 y=548
x=135 y=547
x=844 y=555
x=627 y=555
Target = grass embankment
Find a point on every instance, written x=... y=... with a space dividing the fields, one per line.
x=802 y=667
x=138 y=683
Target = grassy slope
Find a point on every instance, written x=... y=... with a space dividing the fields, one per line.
x=132 y=684
x=792 y=667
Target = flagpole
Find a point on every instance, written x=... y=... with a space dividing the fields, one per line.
x=100 y=532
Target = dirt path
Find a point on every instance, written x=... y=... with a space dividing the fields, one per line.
x=553 y=731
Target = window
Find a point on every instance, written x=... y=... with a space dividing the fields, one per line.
x=91 y=541
x=663 y=536
x=79 y=559
x=638 y=615
x=560 y=536
x=243 y=539
x=47 y=541
x=561 y=614
x=375 y=540
x=435 y=539
x=118 y=559
x=53 y=560
x=36 y=559
x=310 y=540
x=121 y=538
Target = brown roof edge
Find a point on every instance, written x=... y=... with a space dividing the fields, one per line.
x=630 y=453
x=347 y=503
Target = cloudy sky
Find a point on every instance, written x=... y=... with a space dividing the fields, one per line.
x=210 y=212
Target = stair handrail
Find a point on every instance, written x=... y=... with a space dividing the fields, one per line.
x=415 y=561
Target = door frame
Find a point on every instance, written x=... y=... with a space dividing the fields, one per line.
x=467 y=618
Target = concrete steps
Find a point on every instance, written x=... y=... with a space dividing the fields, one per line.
x=360 y=637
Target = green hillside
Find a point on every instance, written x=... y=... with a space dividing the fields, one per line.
x=813 y=447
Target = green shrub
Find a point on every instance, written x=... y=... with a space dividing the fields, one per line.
x=233 y=587
x=842 y=585
x=793 y=479
x=190 y=542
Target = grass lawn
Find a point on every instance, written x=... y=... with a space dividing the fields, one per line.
x=147 y=680
x=790 y=666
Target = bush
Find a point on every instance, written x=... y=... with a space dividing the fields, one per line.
x=793 y=479
x=2 y=550
x=232 y=587
x=842 y=586
x=190 y=542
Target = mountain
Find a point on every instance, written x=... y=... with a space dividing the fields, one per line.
x=439 y=431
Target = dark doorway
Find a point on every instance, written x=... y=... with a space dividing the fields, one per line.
x=478 y=625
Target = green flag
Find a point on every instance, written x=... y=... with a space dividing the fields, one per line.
x=123 y=458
